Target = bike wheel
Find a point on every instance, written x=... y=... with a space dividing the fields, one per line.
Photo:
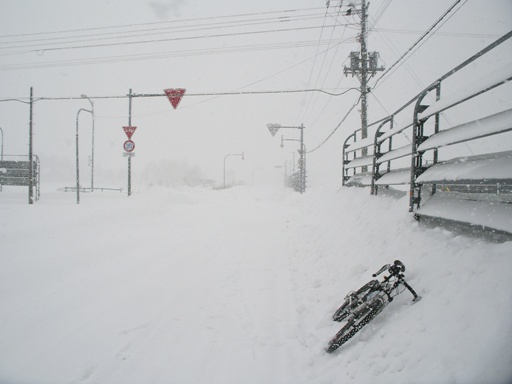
x=351 y=328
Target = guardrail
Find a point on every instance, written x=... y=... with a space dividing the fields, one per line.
x=441 y=186
x=17 y=173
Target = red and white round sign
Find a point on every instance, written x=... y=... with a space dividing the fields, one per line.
x=129 y=146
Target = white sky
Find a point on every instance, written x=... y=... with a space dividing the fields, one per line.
x=204 y=129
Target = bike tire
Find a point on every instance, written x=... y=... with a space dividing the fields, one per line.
x=350 y=329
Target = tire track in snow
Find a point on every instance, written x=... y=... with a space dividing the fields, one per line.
x=238 y=303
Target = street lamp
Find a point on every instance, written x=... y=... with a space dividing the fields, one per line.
x=92 y=150
x=1 y=130
x=77 y=166
x=225 y=157
x=273 y=128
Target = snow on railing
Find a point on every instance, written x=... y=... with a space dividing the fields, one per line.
x=482 y=85
x=427 y=136
x=487 y=126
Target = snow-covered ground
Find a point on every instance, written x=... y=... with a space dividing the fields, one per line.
x=192 y=285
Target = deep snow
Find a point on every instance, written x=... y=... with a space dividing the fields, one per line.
x=192 y=285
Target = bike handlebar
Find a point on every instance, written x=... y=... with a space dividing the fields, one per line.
x=393 y=269
x=384 y=268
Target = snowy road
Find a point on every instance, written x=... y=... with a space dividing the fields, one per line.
x=114 y=296
x=239 y=286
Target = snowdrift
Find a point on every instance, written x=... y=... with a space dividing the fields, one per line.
x=192 y=285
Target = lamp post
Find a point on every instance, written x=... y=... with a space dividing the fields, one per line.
x=77 y=162
x=273 y=128
x=2 y=156
x=92 y=150
x=225 y=157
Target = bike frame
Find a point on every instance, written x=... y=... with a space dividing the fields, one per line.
x=363 y=305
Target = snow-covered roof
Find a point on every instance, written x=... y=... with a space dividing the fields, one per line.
x=490 y=125
x=493 y=79
x=489 y=166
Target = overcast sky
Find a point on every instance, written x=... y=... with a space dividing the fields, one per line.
x=104 y=48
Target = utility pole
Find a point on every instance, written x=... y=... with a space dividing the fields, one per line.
x=30 y=163
x=130 y=95
x=363 y=64
x=364 y=73
x=273 y=128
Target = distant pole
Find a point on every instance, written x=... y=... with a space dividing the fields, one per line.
x=92 y=150
x=225 y=157
x=77 y=157
x=1 y=130
x=364 y=75
x=273 y=128
x=302 y=161
x=30 y=166
x=129 y=157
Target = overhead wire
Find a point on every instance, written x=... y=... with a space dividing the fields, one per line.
x=186 y=38
x=312 y=104
x=314 y=62
x=417 y=43
x=336 y=128
x=64 y=40
x=164 y=55
x=158 y=22
x=380 y=12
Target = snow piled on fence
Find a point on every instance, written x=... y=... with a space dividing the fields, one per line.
x=239 y=286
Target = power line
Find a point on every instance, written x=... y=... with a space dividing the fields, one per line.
x=177 y=39
x=306 y=110
x=164 y=55
x=415 y=44
x=425 y=34
x=147 y=32
x=199 y=94
x=447 y=34
x=339 y=125
x=158 y=22
x=316 y=54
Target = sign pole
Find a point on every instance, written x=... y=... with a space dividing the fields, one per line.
x=129 y=157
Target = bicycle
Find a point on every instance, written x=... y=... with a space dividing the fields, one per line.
x=361 y=307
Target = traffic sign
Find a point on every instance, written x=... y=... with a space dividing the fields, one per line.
x=129 y=154
x=129 y=146
x=174 y=95
x=273 y=128
x=129 y=131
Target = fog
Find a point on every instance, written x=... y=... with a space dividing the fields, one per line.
x=243 y=65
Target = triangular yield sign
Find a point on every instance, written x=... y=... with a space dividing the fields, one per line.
x=175 y=95
x=273 y=128
x=129 y=131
